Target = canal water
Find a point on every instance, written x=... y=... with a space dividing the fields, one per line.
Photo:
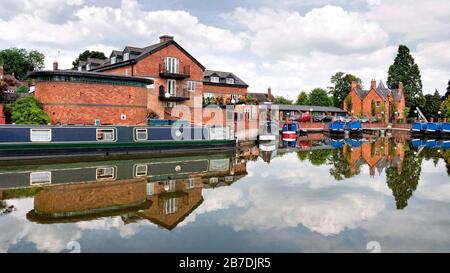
x=318 y=195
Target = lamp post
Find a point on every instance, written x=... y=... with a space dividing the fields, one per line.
x=415 y=113
x=395 y=116
x=382 y=116
x=439 y=116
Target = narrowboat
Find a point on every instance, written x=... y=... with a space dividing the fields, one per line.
x=446 y=128
x=289 y=131
x=434 y=128
x=269 y=131
x=417 y=142
x=20 y=142
x=353 y=127
x=418 y=128
x=334 y=128
x=337 y=143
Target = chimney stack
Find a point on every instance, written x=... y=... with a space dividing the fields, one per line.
x=55 y=65
x=165 y=38
x=1 y=72
x=354 y=85
x=373 y=84
x=269 y=92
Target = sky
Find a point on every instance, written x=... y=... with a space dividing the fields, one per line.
x=288 y=45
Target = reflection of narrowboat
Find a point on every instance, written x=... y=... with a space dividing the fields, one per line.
x=337 y=143
x=418 y=128
x=430 y=143
x=51 y=141
x=334 y=128
x=446 y=128
x=434 y=128
x=289 y=131
x=355 y=142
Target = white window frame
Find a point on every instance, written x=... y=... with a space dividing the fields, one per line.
x=170 y=206
x=190 y=183
x=49 y=134
x=48 y=181
x=150 y=188
x=88 y=67
x=172 y=87
x=214 y=79
x=109 y=176
x=105 y=140
x=235 y=97
x=208 y=95
x=136 y=134
x=113 y=60
x=192 y=86
x=126 y=56
x=139 y=173
x=229 y=80
x=172 y=65
x=170 y=104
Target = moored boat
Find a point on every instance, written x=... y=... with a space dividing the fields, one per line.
x=35 y=141
x=334 y=128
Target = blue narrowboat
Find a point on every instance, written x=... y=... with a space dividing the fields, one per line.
x=38 y=141
x=418 y=128
x=434 y=128
x=417 y=142
x=446 y=128
x=337 y=143
x=353 y=127
x=334 y=128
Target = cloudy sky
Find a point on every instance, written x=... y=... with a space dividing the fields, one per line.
x=290 y=45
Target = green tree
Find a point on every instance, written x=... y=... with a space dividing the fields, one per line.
x=432 y=105
x=373 y=108
x=404 y=183
x=319 y=157
x=88 y=54
x=28 y=110
x=340 y=161
x=281 y=100
x=22 y=89
x=342 y=84
x=319 y=97
x=19 y=61
x=405 y=70
x=349 y=103
x=302 y=98
x=445 y=108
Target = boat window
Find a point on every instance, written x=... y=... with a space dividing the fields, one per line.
x=41 y=135
x=141 y=134
x=214 y=180
x=105 y=173
x=229 y=178
x=141 y=170
x=39 y=178
x=105 y=135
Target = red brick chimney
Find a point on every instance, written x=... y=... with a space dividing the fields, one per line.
x=55 y=65
x=354 y=85
x=269 y=92
x=373 y=84
x=165 y=38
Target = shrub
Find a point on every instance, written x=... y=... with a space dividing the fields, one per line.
x=28 y=110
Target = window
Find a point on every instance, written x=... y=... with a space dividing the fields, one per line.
x=169 y=186
x=105 y=173
x=105 y=135
x=208 y=95
x=113 y=60
x=141 y=134
x=378 y=103
x=229 y=178
x=235 y=97
x=170 y=104
x=150 y=188
x=171 y=65
x=126 y=56
x=171 y=87
x=80 y=68
x=39 y=178
x=214 y=180
x=214 y=79
x=230 y=80
x=126 y=72
x=190 y=183
x=141 y=170
x=41 y=135
x=191 y=86
x=88 y=67
x=170 y=206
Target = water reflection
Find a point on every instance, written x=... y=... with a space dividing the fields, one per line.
x=324 y=194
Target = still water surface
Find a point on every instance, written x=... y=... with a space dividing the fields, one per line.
x=323 y=196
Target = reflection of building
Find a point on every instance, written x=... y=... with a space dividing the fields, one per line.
x=164 y=191
x=378 y=155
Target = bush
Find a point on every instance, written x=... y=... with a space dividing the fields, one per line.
x=22 y=89
x=28 y=110
x=410 y=120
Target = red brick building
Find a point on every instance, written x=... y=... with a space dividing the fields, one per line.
x=379 y=101
x=73 y=97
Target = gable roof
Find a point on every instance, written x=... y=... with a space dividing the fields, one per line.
x=262 y=97
x=382 y=91
x=222 y=78
x=146 y=51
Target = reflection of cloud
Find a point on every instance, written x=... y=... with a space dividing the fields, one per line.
x=434 y=183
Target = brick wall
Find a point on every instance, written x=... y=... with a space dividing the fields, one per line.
x=224 y=90
x=2 y=115
x=83 y=103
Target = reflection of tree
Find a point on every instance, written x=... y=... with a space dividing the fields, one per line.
x=340 y=159
x=446 y=156
x=403 y=184
x=302 y=155
x=433 y=154
x=319 y=157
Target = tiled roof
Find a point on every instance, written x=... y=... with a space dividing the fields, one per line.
x=382 y=91
x=306 y=108
x=222 y=77
x=262 y=97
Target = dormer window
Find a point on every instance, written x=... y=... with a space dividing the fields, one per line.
x=126 y=56
x=214 y=79
x=113 y=60
x=230 y=80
